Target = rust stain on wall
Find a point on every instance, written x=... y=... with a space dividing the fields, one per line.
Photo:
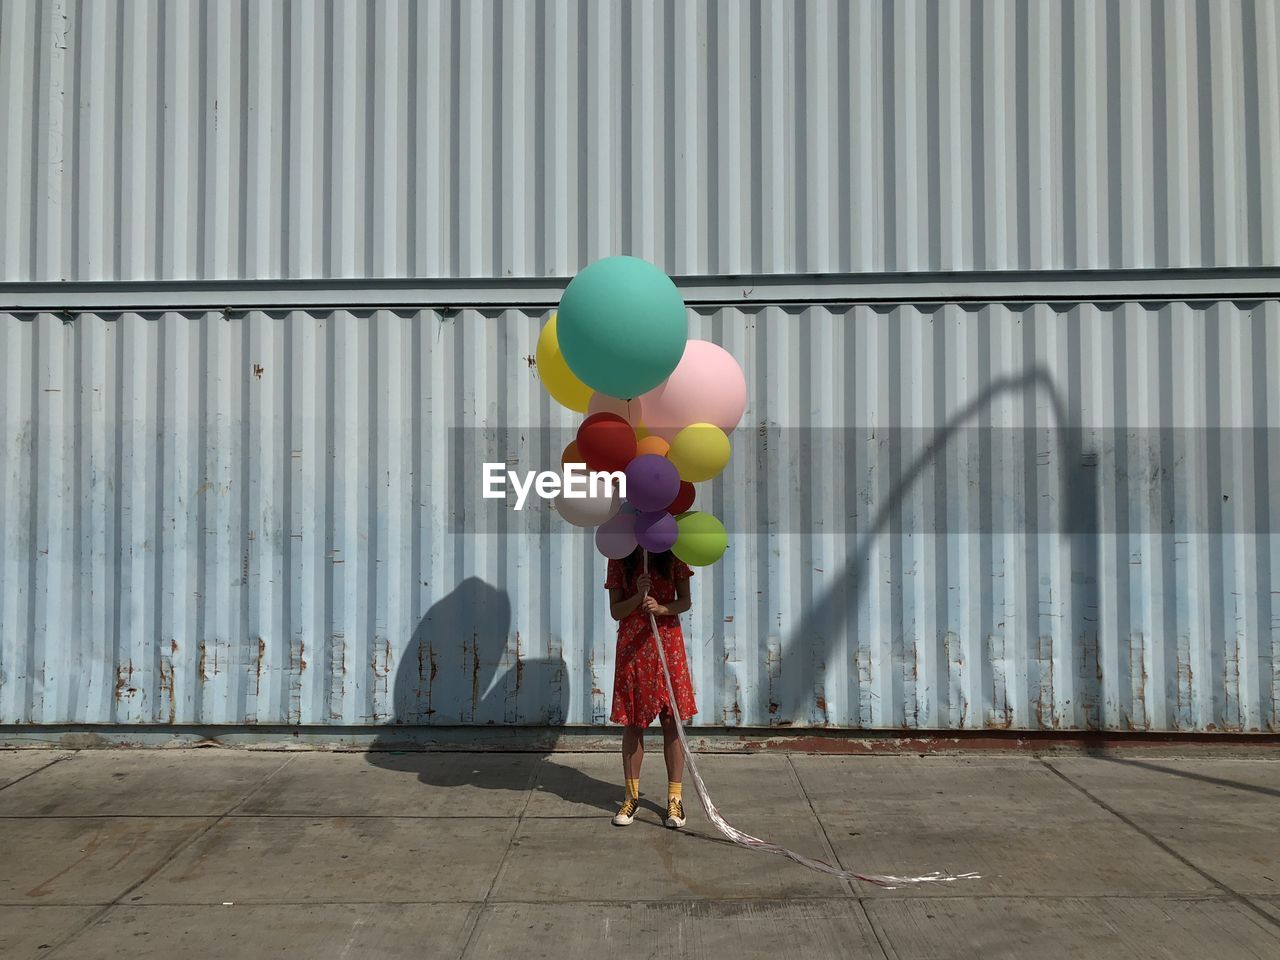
x=380 y=667
x=124 y=681
x=475 y=671
x=257 y=670
x=434 y=668
x=297 y=666
x=337 y=681
x=166 y=680
x=773 y=674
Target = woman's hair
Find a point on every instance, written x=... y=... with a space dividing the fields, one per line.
x=661 y=563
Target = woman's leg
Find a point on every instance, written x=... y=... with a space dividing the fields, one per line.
x=671 y=747
x=675 y=770
x=632 y=751
x=632 y=754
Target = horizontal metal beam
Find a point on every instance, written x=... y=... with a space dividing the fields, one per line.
x=702 y=291
x=588 y=739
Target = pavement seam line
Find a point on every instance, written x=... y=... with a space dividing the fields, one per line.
x=850 y=886
x=1272 y=922
x=309 y=817
x=178 y=848
x=596 y=901
x=478 y=912
x=39 y=769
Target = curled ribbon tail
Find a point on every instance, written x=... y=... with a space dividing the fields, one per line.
x=755 y=843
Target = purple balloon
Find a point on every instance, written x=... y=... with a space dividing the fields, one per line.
x=616 y=537
x=652 y=482
x=656 y=531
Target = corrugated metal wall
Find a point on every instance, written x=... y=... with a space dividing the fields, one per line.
x=250 y=518
x=1037 y=515
x=149 y=140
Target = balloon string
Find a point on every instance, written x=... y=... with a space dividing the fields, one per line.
x=755 y=843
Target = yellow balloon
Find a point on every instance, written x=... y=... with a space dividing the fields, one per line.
x=564 y=387
x=699 y=451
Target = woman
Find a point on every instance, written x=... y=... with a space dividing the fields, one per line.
x=639 y=690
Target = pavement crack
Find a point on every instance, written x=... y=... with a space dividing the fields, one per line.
x=39 y=769
x=478 y=912
x=835 y=858
x=180 y=846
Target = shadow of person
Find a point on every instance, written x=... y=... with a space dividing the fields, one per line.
x=463 y=667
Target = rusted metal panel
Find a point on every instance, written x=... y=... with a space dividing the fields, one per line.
x=590 y=739
x=500 y=138
x=1025 y=516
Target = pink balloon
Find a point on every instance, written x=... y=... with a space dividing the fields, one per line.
x=628 y=410
x=707 y=386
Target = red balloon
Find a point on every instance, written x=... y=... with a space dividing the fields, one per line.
x=683 y=500
x=606 y=442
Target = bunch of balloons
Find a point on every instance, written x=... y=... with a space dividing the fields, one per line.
x=659 y=408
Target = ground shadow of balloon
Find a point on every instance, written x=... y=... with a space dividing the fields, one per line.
x=826 y=619
x=458 y=669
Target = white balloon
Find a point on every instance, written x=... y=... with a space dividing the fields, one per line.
x=588 y=511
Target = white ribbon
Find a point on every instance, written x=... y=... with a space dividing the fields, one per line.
x=755 y=843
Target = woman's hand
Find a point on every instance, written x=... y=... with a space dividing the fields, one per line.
x=650 y=605
x=644 y=583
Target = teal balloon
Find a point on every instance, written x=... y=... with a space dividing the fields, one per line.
x=621 y=326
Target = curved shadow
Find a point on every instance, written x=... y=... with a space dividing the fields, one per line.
x=827 y=616
x=459 y=667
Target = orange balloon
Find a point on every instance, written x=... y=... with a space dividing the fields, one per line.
x=571 y=454
x=652 y=444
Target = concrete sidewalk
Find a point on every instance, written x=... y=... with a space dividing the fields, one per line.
x=223 y=853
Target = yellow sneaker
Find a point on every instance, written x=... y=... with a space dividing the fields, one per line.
x=675 y=813
x=626 y=814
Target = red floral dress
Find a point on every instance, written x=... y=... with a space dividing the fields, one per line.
x=639 y=690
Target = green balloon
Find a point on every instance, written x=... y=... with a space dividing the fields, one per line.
x=622 y=326
x=701 y=539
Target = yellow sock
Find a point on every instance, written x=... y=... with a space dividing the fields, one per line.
x=673 y=789
x=633 y=788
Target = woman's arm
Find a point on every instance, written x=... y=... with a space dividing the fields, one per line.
x=620 y=607
x=682 y=602
x=673 y=609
